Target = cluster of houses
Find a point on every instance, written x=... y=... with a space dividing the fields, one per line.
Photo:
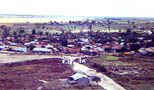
x=89 y=43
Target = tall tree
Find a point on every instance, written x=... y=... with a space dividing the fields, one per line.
x=46 y=33
x=14 y=33
x=90 y=28
x=33 y=31
x=5 y=32
x=109 y=25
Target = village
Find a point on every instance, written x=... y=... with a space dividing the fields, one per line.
x=80 y=50
x=88 y=43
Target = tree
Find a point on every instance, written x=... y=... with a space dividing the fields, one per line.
x=5 y=32
x=109 y=25
x=33 y=31
x=90 y=27
x=14 y=33
x=97 y=79
x=21 y=31
x=128 y=31
x=46 y=33
x=40 y=33
x=31 y=47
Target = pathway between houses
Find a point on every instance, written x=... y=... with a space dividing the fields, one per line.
x=106 y=82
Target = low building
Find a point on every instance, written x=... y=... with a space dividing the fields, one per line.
x=80 y=79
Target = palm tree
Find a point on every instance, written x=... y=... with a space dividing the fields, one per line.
x=109 y=25
x=90 y=28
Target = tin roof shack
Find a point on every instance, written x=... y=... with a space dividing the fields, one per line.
x=42 y=50
x=79 y=79
x=2 y=47
x=19 y=49
x=146 y=51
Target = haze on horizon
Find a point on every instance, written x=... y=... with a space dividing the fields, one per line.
x=117 y=8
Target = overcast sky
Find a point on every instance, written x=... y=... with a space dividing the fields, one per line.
x=124 y=8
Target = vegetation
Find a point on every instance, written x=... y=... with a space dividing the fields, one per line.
x=99 y=67
x=109 y=57
x=97 y=79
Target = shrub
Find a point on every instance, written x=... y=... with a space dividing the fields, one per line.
x=97 y=79
x=95 y=65
x=101 y=69
x=79 y=86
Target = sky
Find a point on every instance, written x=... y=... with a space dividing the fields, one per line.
x=117 y=8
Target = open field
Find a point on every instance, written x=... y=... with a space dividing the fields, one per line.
x=27 y=75
x=133 y=73
x=34 y=20
x=29 y=24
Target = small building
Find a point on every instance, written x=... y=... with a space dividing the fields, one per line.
x=20 y=49
x=2 y=47
x=77 y=76
x=80 y=79
x=44 y=50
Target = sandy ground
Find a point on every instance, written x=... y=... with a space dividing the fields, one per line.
x=7 y=58
x=106 y=82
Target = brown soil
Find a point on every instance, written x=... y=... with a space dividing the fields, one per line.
x=26 y=75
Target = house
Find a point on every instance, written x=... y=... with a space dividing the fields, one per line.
x=142 y=51
x=80 y=79
x=12 y=44
x=49 y=46
x=83 y=81
x=2 y=47
x=77 y=76
x=20 y=49
x=44 y=50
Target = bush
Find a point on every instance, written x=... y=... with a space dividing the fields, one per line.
x=95 y=65
x=101 y=69
x=79 y=86
x=97 y=79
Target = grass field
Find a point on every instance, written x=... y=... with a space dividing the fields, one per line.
x=133 y=73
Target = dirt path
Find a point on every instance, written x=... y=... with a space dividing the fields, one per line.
x=8 y=58
x=106 y=82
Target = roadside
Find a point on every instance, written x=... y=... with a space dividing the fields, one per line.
x=106 y=82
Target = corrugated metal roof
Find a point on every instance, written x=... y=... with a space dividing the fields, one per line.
x=41 y=50
x=49 y=46
x=20 y=49
x=78 y=76
x=1 y=47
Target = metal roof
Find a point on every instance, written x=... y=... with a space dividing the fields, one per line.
x=78 y=76
x=41 y=50
x=20 y=49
